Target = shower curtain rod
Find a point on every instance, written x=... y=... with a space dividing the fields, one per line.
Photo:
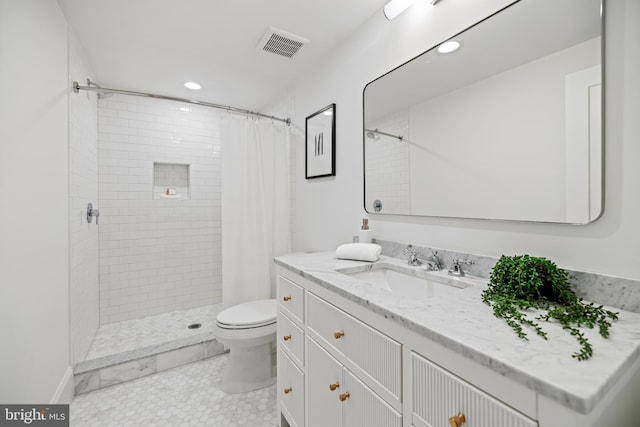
x=379 y=132
x=93 y=87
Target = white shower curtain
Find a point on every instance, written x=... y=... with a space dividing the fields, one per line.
x=255 y=206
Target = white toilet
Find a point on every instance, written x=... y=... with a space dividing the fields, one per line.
x=249 y=329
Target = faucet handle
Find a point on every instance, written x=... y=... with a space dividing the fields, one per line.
x=413 y=255
x=409 y=250
x=456 y=269
x=434 y=258
x=458 y=261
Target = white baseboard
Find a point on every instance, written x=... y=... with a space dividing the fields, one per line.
x=64 y=392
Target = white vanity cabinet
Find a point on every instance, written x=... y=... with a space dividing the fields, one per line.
x=352 y=373
x=290 y=341
x=343 y=362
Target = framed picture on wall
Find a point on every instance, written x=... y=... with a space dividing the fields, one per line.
x=320 y=149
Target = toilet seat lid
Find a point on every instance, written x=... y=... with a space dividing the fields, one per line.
x=251 y=313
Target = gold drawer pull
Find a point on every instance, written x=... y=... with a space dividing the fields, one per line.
x=287 y=390
x=334 y=386
x=286 y=337
x=285 y=299
x=457 y=420
x=338 y=335
x=343 y=396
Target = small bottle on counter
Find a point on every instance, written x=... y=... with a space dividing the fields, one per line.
x=365 y=232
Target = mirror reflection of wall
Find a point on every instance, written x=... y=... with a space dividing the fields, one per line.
x=387 y=165
x=507 y=127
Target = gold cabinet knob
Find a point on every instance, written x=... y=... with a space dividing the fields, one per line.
x=334 y=386
x=343 y=396
x=457 y=420
x=338 y=335
x=287 y=298
x=287 y=390
x=286 y=337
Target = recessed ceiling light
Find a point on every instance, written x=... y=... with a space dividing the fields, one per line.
x=185 y=109
x=448 y=47
x=192 y=86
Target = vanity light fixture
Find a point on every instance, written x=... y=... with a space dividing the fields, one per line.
x=449 y=46
x=192 y=86
x=395 y=7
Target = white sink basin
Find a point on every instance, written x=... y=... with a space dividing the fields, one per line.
x=407 y=285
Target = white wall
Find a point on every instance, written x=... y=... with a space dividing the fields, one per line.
x=83 y=186
x=327 y=211
x=34 y=220
x=157 y=255
x=494 y=143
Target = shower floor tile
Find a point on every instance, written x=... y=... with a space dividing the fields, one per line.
x=186 y=396
x=152 y=330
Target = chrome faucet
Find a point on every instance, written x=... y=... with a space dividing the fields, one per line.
x=433 y=262
x=416 y=259
x=413 y=256
x=456 y=268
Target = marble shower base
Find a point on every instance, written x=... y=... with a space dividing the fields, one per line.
x=133 y=349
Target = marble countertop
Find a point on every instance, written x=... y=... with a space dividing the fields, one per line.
x=467 y=326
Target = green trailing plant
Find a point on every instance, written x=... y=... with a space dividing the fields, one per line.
x=520 y=284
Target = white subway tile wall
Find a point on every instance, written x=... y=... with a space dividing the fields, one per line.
x=387 y=166
x=157 y=255
x=83 y=188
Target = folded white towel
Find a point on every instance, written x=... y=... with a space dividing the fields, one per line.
x=359 y=251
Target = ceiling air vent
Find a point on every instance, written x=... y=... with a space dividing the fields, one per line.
x=281 y=42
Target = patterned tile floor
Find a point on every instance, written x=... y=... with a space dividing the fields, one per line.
x=152 y=330
x=188 y=396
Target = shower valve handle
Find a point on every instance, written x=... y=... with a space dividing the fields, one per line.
x=91 y=212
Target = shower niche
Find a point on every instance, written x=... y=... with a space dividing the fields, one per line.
x=170 y=181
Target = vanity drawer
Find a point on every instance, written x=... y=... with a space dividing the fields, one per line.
x=439 y=395
x=290 y=390
x=329 y=322
x=370 y=351
x=291 y=298
x=291 y=338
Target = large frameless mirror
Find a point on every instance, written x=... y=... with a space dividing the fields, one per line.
x=508 y=126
